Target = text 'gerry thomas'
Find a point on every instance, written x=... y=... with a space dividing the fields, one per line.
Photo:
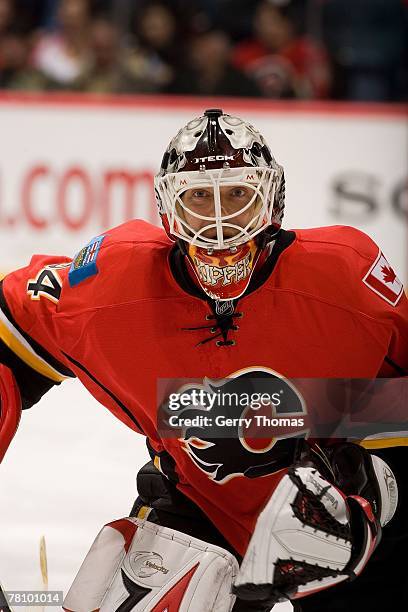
x=177 y=420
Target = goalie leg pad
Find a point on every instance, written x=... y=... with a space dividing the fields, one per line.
x=136 y=566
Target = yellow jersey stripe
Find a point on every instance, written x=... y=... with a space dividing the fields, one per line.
x=20 y=347
x=383 y=443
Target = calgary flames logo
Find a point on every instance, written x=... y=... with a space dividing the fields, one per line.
x=246 y=425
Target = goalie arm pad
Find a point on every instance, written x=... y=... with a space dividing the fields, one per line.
x=312 y=534
x=10 y=408
x=141 y=566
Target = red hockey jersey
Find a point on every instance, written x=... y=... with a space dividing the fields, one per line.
x=116 y=317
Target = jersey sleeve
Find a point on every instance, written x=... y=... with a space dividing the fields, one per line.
x=29 y=346
x=396 y=360
x=360 y=279
x=382 y=296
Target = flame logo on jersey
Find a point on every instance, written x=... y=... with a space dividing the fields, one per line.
x=240 y=447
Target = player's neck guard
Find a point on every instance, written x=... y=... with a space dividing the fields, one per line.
x=224 y=274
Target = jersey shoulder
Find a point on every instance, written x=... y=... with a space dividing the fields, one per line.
x=338 y=241
x=137 y=232
x=344 y=266
x=121 y=264
x=45 y=304
x=125 y=263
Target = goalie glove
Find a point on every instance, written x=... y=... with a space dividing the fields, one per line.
x=313 y=534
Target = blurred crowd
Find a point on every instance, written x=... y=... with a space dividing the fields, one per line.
x=290 y=49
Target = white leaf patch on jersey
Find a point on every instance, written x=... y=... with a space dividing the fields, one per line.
x=382 y=279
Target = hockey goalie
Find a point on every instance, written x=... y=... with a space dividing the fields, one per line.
x=223 y=298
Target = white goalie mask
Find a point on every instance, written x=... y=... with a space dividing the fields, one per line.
x=221 y=193
x=214 y=155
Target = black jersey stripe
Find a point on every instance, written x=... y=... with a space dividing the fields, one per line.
x=105 y=389
x=37 y=348
x=31 y=384
x=396 y=367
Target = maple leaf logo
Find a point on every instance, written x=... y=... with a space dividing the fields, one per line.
x=388 y=274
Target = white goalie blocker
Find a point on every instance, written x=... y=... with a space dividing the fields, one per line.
x=135 y=565
x=303 y=540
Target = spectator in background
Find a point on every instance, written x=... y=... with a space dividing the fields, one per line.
x=16 y=73
x=110 y=68
x=232 y=16
x=368 y=41
x=32 y=14
x=210 y=72
x=159 y=52
x=6 y=16
x=284 y=64
x=6 y=20
x=61 y=55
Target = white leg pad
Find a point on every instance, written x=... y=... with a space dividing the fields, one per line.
x=136 y=566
